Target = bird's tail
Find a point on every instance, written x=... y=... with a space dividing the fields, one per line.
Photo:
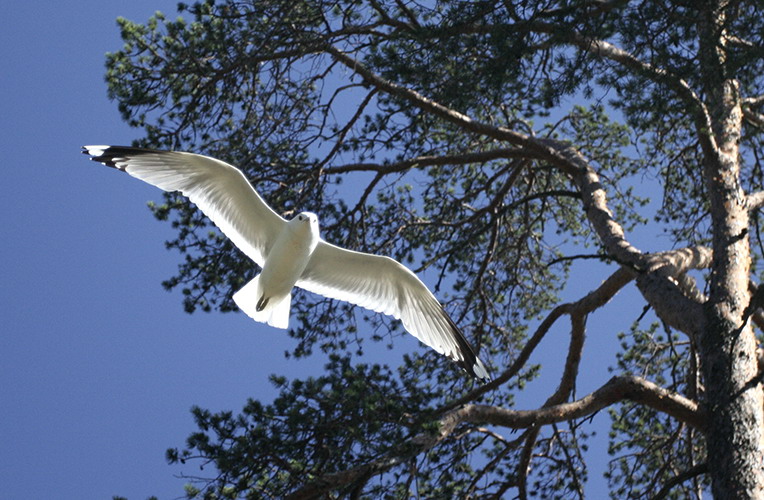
x=274 y=310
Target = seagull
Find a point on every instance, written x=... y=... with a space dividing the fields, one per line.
x=292 y=253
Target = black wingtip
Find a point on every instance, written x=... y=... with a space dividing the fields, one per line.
x=475 y=369
x=470 y=363
x=479 y=371
x=101 y=154
x=110 y=155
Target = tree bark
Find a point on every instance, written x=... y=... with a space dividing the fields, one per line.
x=727 y=346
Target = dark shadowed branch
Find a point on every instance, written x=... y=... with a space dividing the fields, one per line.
x=617 y=389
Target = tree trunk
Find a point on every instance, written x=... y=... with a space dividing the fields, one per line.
x=733 y=393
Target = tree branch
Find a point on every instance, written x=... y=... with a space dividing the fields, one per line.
x=753 y=118
x=617 y=389
x=672 y=295
x=753 y=101
x=607 y=50
x=556 y=152
x=524 y=466
x=666 y=295
x=345 y=129
x=534 y=147
x=680 y=478
x=755 y=200
x=682 y=89
x=590 y=302
x=429 y=160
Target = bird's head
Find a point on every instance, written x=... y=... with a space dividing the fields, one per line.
x=307 y=220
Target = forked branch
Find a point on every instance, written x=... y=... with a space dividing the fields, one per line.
x=617 y=389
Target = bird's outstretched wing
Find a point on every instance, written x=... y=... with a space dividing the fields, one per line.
x=384 y=285
x=220 y=190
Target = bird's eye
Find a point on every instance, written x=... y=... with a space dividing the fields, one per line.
x=300 y=217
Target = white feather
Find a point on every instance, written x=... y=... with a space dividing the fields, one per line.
x=375 y=282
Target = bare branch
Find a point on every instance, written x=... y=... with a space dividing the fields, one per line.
x=429 y=160
x=534 y=147
x=690 y=473
x=753 y=118
x=585 y=305
x=558 y=153
x=671 y=293
x=753 y=101
x=524 y=466
x=755 y=200
x=607 y=50
x=617 y=389
x=343 y=132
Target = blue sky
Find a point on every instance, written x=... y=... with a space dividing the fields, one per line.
x=98 y=364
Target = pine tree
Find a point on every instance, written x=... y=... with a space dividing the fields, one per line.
x=498 y=145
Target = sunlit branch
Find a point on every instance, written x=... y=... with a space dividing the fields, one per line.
x=753 y=118
x=675 y=299
x=756 y=200
x=753 y=102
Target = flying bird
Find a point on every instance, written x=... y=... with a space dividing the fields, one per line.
x=291 y=252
